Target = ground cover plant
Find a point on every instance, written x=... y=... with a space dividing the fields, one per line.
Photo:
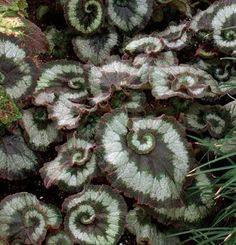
x=117 y=122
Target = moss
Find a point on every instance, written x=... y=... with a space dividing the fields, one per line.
x=9 y=112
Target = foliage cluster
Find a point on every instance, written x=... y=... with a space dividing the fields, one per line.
x=138 y=121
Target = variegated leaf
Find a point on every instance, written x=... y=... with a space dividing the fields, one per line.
x=113 y=76
x=146 y=158
x=97 y=48
x=182 y=81
x=59 y=238
x=198 y=203
x=17 y=72
x=24 y=218
x=74 y=165
x=95 y=216
x=144 y=44
x=129 y=15
x=39 y=130
x=214 y=119
x=86 y=17
x=218 y=22
x=17 y=161
x=144 y=227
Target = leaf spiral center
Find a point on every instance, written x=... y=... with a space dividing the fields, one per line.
x=143 y=144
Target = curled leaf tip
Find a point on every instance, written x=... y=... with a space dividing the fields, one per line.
x=218 y=22
x=86 y=17
x=136 y=153
x=183 y=81
x=30 y=218
x=74 y=165
x=96 y=215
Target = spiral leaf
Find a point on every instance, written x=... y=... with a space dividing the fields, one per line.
x=24 y=218
x=97 y=48
x=113 y=76
x=39 y=130
x=144 y=227
x=198 y=203
x=95 y=216
x=193 y=119
x=218 y=21
x=85 y=16
x=62 y=88
x=214 y=119
x=147 y=159
x=144 y=44
x=182 y=81
x=74 y=165
x=129 y=15
x=17 y=161
x=175 y=37
x=17 y=72
x=61 y=77
x=223 y=71
x=67 y=113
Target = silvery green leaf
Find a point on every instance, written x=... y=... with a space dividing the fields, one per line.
x=67 y=113
x=129 y=15
x=74 y=165
x=95 y=216
x=144 y=44
x=24 y=218
x=182 y=81
x=218 y=22
x=97 y=48
x=17 y=72
x=17 y=161
x=175 y=37
x=111 y=77
x=86 y=17
x=59 y=238
x=168 y=58
x=198 y=204
x=214 y=119
x=146 y=158
x=145 y=228
x=39 y=130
